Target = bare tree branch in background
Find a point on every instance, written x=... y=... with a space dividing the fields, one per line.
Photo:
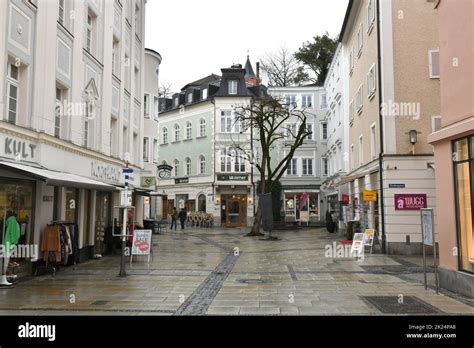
x=282 y=68
x=165 y=91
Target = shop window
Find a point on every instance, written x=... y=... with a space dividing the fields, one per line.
x=202 y=203
x=72 y=204
x=464 y=174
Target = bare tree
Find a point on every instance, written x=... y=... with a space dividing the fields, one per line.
x=165 y=91
x=268 y=118
x=282 y=68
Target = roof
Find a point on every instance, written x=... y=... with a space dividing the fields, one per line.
x=204 y=81
x=346 y=19
x=248 y=68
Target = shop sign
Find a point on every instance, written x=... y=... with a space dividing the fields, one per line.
x=229 y=177
x=345 y=198
x=126 y=198
x=412 y=201
x=427 y=226
x=369 y=196
x=181 y=181
x=369 y=235
x=147 y=181
x=358 y=243
x=105 y=172
x=19 y=149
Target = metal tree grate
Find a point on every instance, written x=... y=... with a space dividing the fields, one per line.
x=397 y=305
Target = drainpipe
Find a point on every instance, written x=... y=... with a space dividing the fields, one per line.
x=213 y=101
x=381 y=154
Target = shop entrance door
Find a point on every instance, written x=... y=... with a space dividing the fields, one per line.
x=234 y=216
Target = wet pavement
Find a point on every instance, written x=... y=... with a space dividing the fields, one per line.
x=221 y=272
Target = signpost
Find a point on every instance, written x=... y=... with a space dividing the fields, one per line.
x=428 y=238
x=125 y=204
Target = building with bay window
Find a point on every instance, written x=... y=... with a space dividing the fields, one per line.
x=301 y=183
x=72 y=106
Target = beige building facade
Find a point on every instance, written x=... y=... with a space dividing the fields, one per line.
x=393 y=81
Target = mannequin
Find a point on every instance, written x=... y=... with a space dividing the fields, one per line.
x=10 y=238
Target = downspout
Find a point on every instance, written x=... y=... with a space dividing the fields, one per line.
x=381 y=154
x=213 y=101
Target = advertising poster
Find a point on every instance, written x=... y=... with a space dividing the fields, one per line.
x=369 y=237
x=141 y=242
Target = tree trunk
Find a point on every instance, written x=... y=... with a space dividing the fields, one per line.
x=255 y=231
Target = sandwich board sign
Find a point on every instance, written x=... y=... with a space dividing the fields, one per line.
x=369 y=236
x=358 y=244
x=141 y=244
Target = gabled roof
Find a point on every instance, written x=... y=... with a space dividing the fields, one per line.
x=204 y=81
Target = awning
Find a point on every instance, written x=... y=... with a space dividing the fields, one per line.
x=54 y=178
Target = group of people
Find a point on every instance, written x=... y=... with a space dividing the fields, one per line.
x=182 y=215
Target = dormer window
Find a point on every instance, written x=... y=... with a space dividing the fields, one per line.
x=190 y=98
x=204 y=93
x=233 y=87
x=176 y=101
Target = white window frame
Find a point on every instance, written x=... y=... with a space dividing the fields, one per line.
x=322 y=105
x=204 y=93
x=176 y=167
x=290 y=131
x=325 y=166
x=351 y=60
x=433 y=122
x=189 y=130
x=371 y=82
x=57 y=114
x=190 y=98
x=146 y=105
x=351 y=110
x=189 y=166
x=11 y=81
x=430 y=60
x=352 y=160
x=177 y=133
x=233 y=87
x=310 y=128
x=359 y=98
x=322 y=131
x=370 y=16
x=307 y=166
x=361 y=150
x=155 y=151
x=156 y=107
x=202 y=164
x=202 y=127
x=61 y=11
x=307 y=100
x=164 y=135
x=373 y=142
x=292 y=168
x=360 y=40
x=146 y=149
x=89 y=31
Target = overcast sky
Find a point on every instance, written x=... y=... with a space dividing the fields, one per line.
x=199 y=37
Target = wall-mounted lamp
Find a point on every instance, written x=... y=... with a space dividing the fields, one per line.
x=413 y=134
x=218 y=200
x=250 y=200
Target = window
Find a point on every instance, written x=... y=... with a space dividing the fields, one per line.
x=164 y=136
x=155 y=151
x=324 y=131
x=351 y=60
x=190 y=98
x=307 y=101
x=291 y=131
x=146 y=105
x=434 y=63
x=226 y=161
x=188 y=166
x=325 y=166
x=351 y=110
x=232 y=160
x=189 y=130
x=202 y=203
x=176 y=167
x=435 y=123
x=13 y=92
x=352 y=156
x=290 y=100
x=307 y=166
x=57 y=116
x=373 y=142
x=115 y=60
x=61 y=11
x=137 y=21
x=371 y=82
x=146 y=149
x=229 y=124
x=239 y=161
x=309 y=128
x=89 y=29
x=360 y=40
x=85 y=138
x=370 y=16
x=292 y=167
x=204 y=93
x=202 y=127
x=233 y=87
x=463 y=158
x=323 y=101
x=156 y=106
x=360 y=99
x=176 y=102
x=176 y=133
x=202 y=165
x=361 y=150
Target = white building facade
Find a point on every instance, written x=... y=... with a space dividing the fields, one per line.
x=71 y=83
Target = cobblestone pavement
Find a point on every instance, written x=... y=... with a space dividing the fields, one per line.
x=221 y=272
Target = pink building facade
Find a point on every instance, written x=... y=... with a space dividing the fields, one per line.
x=454 y=147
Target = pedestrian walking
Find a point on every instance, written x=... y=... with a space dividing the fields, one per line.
x=182 y=217
x=174 y=219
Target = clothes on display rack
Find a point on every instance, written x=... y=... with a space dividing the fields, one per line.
x=59 y=244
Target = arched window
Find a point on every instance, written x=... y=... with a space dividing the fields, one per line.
x=202 y=164
x=202 y=203
x=176 y=167
x=164 y=136
x=202 y=127
x=176 y=132
x=189 y=130
x=188 y=166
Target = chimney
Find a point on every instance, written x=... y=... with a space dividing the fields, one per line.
x=258 y=71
